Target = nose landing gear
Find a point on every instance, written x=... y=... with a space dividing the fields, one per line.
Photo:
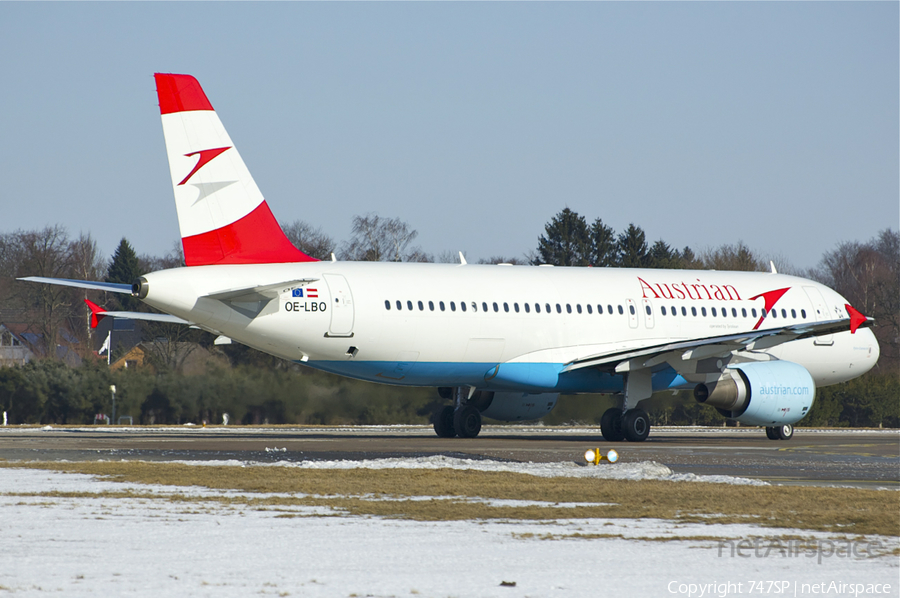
x=785 y=432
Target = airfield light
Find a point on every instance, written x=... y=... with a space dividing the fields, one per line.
x=595 y=456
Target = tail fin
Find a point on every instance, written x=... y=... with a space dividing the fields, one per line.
x=223 y=217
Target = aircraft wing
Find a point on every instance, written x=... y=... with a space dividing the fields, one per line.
x=701 y=348
x=260 y=293
x=112 y=287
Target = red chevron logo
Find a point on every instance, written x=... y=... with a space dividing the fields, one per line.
x=206 y=157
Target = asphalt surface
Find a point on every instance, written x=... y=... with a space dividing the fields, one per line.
x=820 y=457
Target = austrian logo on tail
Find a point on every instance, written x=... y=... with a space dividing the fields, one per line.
x=206 y=156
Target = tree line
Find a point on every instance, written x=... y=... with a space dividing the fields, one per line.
x=253 y=387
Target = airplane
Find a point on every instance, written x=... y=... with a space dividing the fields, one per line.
x=498 y=341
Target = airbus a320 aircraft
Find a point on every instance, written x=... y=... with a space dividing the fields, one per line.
x=495 y=340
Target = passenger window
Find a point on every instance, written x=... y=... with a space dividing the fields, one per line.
x=484 y=306
x=462 y=305
x=495 y=307
x=421 y=306
x=647 y=308
x=399 y=306
x=588 y=306
x=558 y=308
x=734 y=312
x=578 y=307
x=527 y=308
x=663 y=309
x=441 y=303
x=803 y=313
x=794 y=313
x=506 y=307
x=568 y=308
x=694 y=311
x=547 y=307
x=774 y=313
x=516 y=307
x=387 y=305
x=631 y=309
x=409 y=305
x=713 y=311
x=621 y=311
x=684 y=311
x=762 y=312
x=784 y=313
x=744 y=311
x=753 y=312
x=610 y=311
x=537 y=308
x=703 y=311
x=453 y=306
x=431 y=305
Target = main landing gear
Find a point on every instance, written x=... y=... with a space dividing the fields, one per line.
x=461 y=419
x=784 y=432
x=632 y=425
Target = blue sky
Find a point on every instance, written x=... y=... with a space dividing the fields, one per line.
x=704 y=123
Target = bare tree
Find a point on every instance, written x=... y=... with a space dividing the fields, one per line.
x=46 y=252
x=377 y=239
x=732 y=257
x=309 y=239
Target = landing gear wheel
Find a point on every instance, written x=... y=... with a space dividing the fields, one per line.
x=636 y=425
x=443 y=422
x=785 y=432
x=611 y=425
x=771 y=433
x=467 y=422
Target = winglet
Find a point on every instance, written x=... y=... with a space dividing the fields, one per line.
x=857 y=318
x=97 y=312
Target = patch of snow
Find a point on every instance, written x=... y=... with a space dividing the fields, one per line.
x=113 y=546
x=643 y=470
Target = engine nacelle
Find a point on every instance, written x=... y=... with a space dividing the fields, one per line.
x=515 y=406
x=768 y=393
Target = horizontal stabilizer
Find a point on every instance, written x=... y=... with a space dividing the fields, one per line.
x=98 y=313
x=112 y=287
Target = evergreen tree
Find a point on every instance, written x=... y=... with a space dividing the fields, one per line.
x=124 y=269
x=632 y=248
x=566 y=242
x=603 y=244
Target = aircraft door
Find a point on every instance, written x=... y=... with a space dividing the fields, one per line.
x=820 y=312
x=648 y=312
x=632 y=313
x=341 y=305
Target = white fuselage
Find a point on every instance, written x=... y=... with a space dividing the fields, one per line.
x=404 y=323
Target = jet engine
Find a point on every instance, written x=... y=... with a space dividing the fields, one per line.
x=515 y=406
x=769 y=393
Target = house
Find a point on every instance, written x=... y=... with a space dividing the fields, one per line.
x=13 y=349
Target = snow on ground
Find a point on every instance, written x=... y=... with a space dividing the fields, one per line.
x=644 y=470
x=139 y=546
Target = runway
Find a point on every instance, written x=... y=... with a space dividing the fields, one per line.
x=861 y=458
